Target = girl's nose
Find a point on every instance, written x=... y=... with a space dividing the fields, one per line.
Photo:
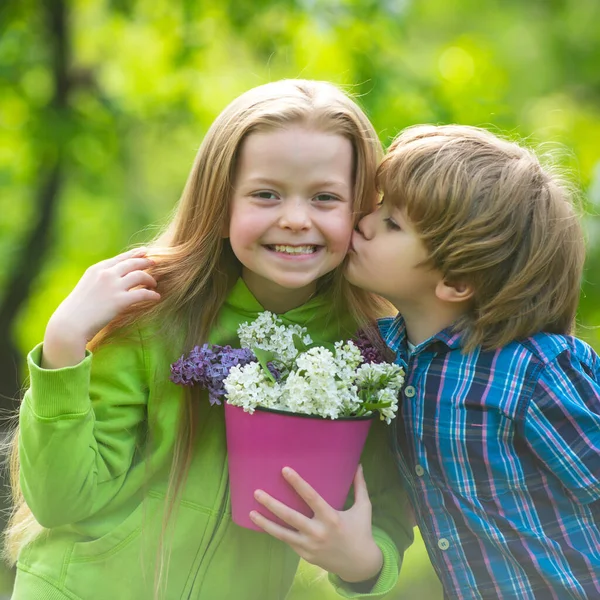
x=295 y=215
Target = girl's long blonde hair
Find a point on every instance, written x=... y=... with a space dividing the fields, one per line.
x=195 y=265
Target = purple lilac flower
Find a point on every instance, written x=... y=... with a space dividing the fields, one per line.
x=370 y=353
x=208 y=366
x=274 y=371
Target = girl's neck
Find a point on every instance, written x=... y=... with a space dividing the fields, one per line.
x=275 y=298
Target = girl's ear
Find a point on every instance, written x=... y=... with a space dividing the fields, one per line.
x=453 y=291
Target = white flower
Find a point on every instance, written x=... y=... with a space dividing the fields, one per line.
x=313 y=387
x=348 y=355
x=249 y=387
x=269 y=333
x=378 y=374
x=347 y=359
x=387 y=413
x=318 y=381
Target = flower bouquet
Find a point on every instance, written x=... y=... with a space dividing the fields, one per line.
x=290 y=402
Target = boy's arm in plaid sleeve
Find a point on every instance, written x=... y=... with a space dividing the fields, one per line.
x=562 y=425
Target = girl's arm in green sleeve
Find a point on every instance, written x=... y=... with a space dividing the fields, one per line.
x=392 y=517
x=79 y=430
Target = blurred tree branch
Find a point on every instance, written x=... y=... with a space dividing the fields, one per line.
x=106 y=98
x=38 y=240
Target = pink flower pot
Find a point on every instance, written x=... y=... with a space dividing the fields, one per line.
x=324 y=452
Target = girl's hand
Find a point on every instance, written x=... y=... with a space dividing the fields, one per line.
x=340 y=542
x=104 y=291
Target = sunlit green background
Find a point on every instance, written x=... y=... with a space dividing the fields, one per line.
x=104 y=103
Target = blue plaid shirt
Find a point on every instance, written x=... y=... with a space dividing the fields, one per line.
x=500 y=453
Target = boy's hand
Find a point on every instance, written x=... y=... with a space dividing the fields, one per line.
x=104 y=291
x=340 y=542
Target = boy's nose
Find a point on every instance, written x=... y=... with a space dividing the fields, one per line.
x=365 y=226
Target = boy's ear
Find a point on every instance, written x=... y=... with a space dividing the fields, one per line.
x=453 y=291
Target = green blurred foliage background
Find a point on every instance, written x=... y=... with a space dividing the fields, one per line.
x=104 y=102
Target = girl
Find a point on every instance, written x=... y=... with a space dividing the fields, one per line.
x=120 y=477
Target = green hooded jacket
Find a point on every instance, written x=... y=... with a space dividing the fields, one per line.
x=96 y=445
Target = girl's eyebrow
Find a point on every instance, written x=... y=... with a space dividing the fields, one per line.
x=263 y=181
x=326 y=183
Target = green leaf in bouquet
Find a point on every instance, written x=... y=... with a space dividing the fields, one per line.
x=302 y=347
x=328 y=345
x=376 y=406
x=299 y=343
x=264 y=357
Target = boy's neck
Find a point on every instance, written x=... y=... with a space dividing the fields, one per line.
x=424 y=322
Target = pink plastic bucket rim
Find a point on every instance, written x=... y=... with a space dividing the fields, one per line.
x=316 y=417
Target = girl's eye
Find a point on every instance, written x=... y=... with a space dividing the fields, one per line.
x=265 y=195
x=391 y=224
x=325 y=197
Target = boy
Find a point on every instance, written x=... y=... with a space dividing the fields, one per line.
x=498 y=435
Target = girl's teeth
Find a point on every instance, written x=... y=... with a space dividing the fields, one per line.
x=295 y=249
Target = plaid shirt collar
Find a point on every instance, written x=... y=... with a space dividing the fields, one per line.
x=393 y=332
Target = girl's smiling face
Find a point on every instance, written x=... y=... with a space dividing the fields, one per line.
x=291 y=212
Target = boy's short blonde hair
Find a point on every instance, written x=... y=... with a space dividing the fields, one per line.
x=492 y=216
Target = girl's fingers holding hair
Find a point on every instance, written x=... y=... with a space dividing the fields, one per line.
x=132 y=264
x=142 y=295
x=136 y=278
x=111 y=262
x=104 y=291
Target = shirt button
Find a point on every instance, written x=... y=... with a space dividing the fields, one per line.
x=409 y=391
x=443 y=544
x=419 y=470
